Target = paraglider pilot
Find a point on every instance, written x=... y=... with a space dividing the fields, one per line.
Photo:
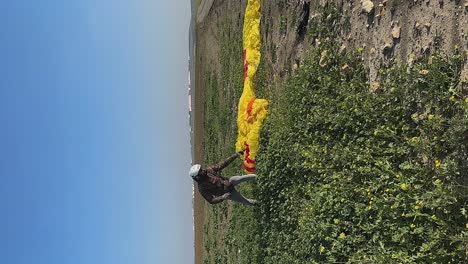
x=216 y=188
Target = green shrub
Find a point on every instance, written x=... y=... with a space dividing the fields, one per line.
x=353 y=176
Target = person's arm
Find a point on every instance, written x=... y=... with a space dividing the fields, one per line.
x=225 y=163
x=214 y=200
x=221 y=198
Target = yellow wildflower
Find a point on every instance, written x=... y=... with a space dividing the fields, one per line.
x=322 y=249
x=412 y=225
x=423 y=72
x=430 y=117
x=342 y=235
x=404 y=186
x=416 y=207
x=437 y=163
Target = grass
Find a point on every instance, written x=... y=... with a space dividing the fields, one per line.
x=222 y=92
x=346 y=175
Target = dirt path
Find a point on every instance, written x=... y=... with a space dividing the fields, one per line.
x=204 y=9
x=200 y=54
x=198 y=203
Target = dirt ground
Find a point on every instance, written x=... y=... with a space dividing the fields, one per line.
x=403 y=29
x=423 y=25
x=198 y=203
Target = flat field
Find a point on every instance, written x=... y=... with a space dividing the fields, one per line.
x=364 y=154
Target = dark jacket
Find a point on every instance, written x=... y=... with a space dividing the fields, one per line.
x=212 y=185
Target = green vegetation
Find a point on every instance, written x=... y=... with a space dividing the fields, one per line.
x=347 y=174
x=353 y=176
x=222 y=91
x=327 y=21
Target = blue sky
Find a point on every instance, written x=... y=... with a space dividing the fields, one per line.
x=94 y=141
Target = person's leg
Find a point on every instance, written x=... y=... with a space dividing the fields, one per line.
x=237 y=197
x=235 y=180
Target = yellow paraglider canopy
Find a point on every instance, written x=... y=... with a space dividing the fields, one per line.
x=252 y=111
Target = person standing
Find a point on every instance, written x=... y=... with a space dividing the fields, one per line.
x=216 y=188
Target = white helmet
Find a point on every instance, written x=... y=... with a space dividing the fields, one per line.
x=194 y=170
